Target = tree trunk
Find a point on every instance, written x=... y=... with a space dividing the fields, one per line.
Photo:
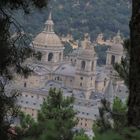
x=134 y=81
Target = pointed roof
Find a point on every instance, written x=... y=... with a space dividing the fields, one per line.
x=50 y=16
x=49 y=24
x=109 y=91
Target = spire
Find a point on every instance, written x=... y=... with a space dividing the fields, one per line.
x=109 y=92
x=50 y=16
x=49 y=25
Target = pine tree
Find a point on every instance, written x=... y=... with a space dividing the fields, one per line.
x=134 y=83
x=14 y=50
x=56 y=119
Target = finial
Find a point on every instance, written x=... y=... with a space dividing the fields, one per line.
x=49 y=24
x=118 y=33
x=50 y=14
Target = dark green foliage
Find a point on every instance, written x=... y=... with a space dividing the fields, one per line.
x=55 y=119
x=67 y=49
x=92 y=16
x=130 y=133
x=111 y=117
x=81 y=136
x=134 y=76
x=14 y=50
x=112 y=124
x=101 y=54
x=123 y=67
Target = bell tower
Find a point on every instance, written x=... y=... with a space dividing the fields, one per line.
x=86 y=68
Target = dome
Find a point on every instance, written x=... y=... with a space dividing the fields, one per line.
x=87 y=49
x=48 y=38
x=87 y=53
x=117 y=43
x=117 y=47
x=45 y=39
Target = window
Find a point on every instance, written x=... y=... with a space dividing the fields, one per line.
x=26 y=102
x=50 y=57
x=112 y=59
x=34 y=103
x=83 y=65
x=26 y=95
x=81 y=78
x=32 y=96
x=25 y=84
x=105 y=82
x=60 y=56
x=85 y=124
x=80 y=84
x=92 y=66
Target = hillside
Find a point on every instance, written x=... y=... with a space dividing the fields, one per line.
x=81 y=16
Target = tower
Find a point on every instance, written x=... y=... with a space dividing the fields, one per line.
x=114 y=53
x=86 y=68
x=50 y=45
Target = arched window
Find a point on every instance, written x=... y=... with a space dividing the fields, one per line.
x=50 y=56
x=60 y=56
x=92 y=66
x=105 y=80
x=25 y=84
x=112 y=59
x=83 y=64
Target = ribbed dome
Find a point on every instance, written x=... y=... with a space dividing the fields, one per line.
x=45 y=39
x=117 y=47
x=117 y=43
x=87 y=50
x=48 y=38
x=87 y=53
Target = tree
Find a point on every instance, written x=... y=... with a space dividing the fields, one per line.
x=81 y=137
x=14 y=50
x=112 y=124
x=111 y=117
x=134 y=83
x=56 y=118
x=123 y=67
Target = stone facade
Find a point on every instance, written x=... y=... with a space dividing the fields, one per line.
x=77 y=75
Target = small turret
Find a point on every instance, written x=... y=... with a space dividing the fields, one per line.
x=109 y=92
